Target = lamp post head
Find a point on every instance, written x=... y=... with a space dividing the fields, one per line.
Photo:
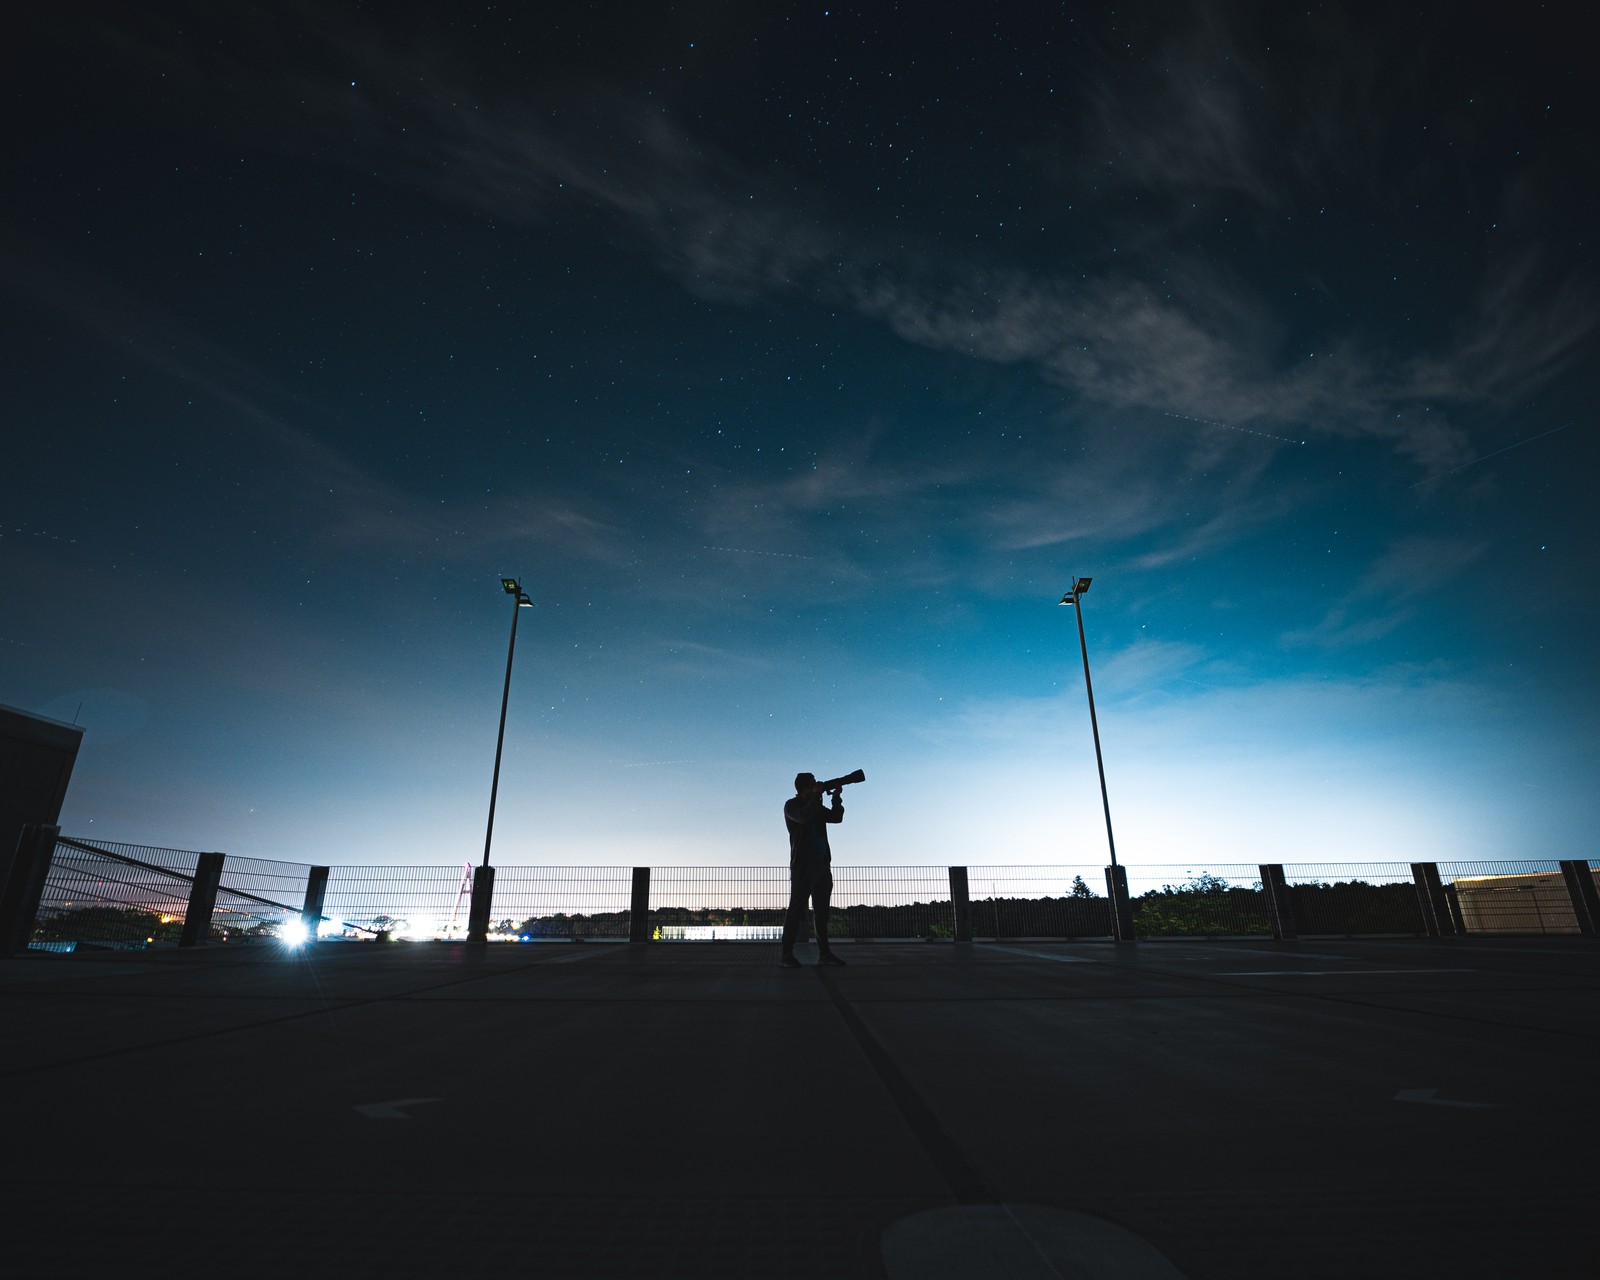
x=514 y=588
x=1076 y=590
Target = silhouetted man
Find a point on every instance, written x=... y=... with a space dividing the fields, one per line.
x=810 y=865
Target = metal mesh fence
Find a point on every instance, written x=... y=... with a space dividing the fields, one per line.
x=127 y=895
x=889 y=902
x=240 y=913
x=1511 y=897
x=104 y=893
x=718 y=903
x=562 y=902
x=748 y=903
x=1356 y=898
x=1039 y=902
x=1197 y=902
x=397 y=902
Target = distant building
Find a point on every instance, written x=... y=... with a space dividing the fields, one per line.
x=720 y=932
x=36 y=759
x=1534 y=902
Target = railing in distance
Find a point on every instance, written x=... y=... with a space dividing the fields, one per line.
x=100 y=893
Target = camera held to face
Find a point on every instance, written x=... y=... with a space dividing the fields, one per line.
x=806 y=782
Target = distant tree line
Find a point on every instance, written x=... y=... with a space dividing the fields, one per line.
x=1209 y=906
x=1354 y=907
x=1205 y=906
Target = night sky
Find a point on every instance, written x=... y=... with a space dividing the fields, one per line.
x=797 y=358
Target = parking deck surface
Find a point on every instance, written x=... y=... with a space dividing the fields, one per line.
x=1216 y=1110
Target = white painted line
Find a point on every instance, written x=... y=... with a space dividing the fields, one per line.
x=1039 y=955
x=1296 y=954
x=1324 y=973
x=391 y=1110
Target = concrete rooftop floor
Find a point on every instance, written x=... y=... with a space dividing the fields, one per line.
x=1217 y=1110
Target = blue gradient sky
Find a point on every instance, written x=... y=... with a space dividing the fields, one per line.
x=797 y=361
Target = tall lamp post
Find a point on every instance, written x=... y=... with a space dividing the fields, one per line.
x=1116 y=876
x=483 y=876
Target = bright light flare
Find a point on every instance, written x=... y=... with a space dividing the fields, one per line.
x=293 y=933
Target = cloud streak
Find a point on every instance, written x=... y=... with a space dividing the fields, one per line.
x=1164 y=330
x=349 y=501
x=1391 y=592
x=1204 y=345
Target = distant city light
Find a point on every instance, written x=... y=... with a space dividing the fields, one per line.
x=720 y=932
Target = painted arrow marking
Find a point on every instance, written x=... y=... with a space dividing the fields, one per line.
x=391 y=1110
x=1431 y=1096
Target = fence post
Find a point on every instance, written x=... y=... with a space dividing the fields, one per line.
x=639 y=906
x=482 y=903
x=962 y=903
x=316 y=894
x=19 y=903
x=1121 y=907
x=1436 y=916
x=1585 y=897
x=202 y=901
x=1279 y=906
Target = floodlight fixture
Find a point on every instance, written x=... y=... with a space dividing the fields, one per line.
x=1076 y=590
x=514 y=588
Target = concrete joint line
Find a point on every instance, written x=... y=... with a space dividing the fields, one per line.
x=965 y=1181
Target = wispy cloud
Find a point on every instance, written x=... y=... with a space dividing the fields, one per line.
x=1204 y=112
x=1169 y=331
x=1391 y=591
x=692 y=660
x=1178 y=700
x=1150 y=664
x=1528 y=323
x=347 y=500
